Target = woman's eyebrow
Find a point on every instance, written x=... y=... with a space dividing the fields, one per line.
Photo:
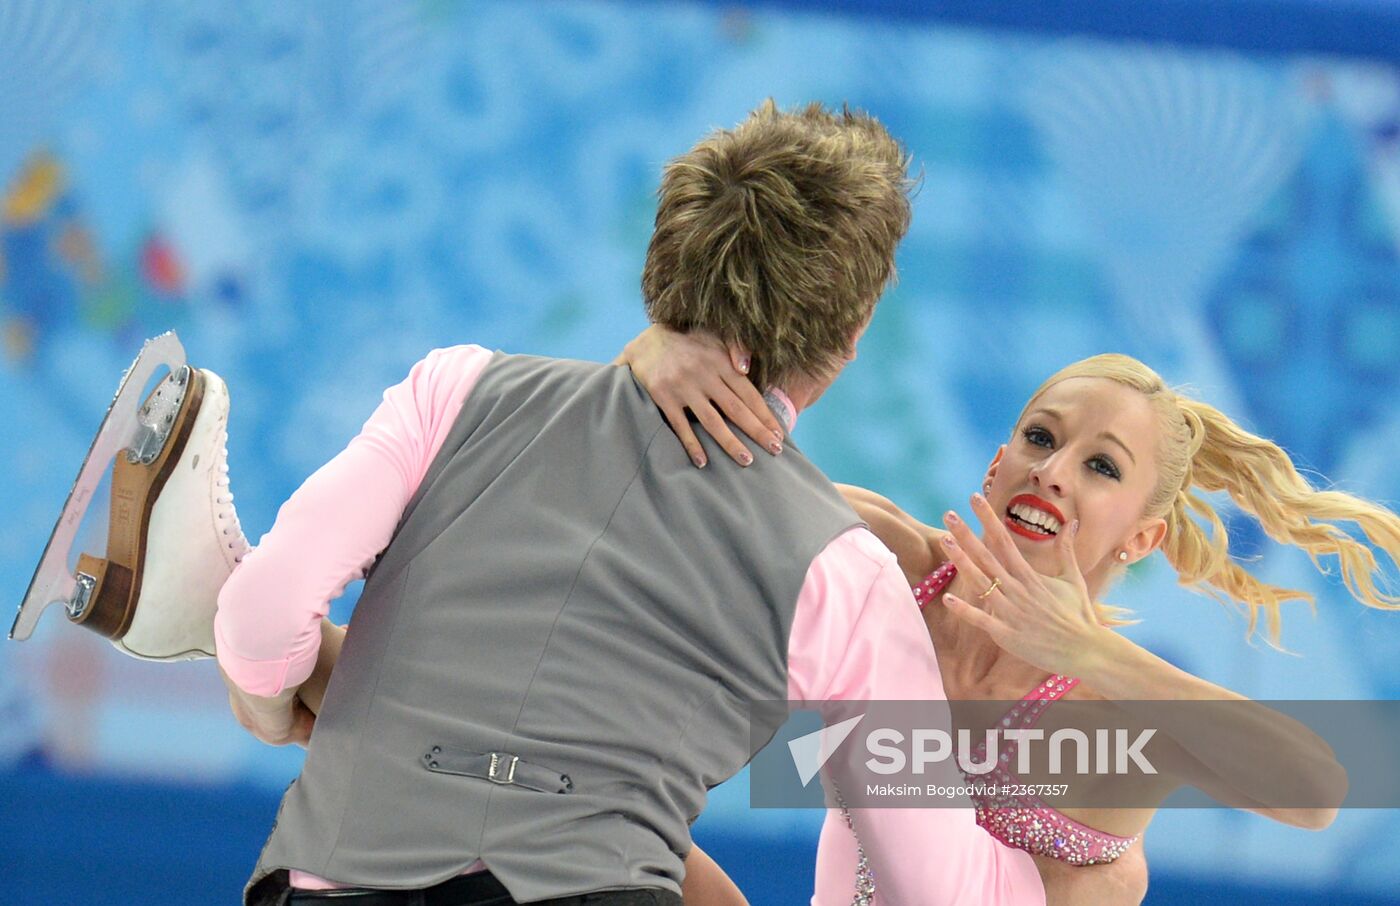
x=1110 y=436
x=1050 y=412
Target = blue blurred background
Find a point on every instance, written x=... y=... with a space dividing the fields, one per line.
x=314 y=194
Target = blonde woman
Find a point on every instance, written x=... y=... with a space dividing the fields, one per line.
x=1104 y=467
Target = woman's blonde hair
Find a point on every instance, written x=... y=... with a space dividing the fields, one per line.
x=1202 y=448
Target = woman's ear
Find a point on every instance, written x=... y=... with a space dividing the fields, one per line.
x=992 y=467
x=1147 y=539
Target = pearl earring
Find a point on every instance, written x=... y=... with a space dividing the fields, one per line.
x=1123 y=555
x=987 y=488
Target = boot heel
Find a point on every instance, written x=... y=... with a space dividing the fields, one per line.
x=110 y=602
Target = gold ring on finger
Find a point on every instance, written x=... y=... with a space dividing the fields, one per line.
x=996 y=583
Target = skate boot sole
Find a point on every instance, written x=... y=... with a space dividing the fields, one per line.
x=192 y=542
x=135 y=488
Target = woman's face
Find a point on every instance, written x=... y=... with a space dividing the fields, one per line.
x=1085 y=450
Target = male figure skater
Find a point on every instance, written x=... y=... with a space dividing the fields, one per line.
x=550 y=661
x=563 y=620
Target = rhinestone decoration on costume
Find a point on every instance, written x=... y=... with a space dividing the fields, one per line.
x=865 y=877
x=1023 y=822
x=1026 y=822
x=935 y=583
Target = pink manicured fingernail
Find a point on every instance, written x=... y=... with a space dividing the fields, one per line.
x=978 y=500
x=948 y=541
x=951 y=518
x=746 y=458
x=744 y=365
x=775 y=447
x=699 y=460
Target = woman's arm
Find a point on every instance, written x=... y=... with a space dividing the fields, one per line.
x=1122 y=882
x=706 y=884
x=1237 y=750
x=914 y=544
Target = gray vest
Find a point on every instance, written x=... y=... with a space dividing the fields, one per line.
x=550 y=664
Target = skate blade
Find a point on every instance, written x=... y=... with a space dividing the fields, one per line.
x=124 y=428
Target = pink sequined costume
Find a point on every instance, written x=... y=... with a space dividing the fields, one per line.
x=1026 y=823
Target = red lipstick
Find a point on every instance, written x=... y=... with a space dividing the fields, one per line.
x=1038 y=503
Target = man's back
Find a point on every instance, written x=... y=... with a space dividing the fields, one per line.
x=567 y=598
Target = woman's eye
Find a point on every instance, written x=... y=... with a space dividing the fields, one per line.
x=1038 y=437
x=1104 y=467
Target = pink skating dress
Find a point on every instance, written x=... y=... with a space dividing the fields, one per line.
x=1026 y=823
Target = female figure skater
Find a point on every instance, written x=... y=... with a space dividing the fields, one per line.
x=1103 y=468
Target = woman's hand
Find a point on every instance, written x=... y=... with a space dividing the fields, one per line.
x=1245 y=755
x=313 y=690
x=1048 y=621
x=278 y=721
x=695 y=371
x=289 y=718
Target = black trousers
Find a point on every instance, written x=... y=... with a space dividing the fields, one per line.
x=480 y=889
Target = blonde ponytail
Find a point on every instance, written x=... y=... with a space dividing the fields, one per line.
x=1203 y=448
x=1263 y=482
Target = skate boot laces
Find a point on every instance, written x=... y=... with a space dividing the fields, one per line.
x=230 y=528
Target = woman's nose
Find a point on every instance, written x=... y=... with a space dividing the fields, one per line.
x=1047 y=476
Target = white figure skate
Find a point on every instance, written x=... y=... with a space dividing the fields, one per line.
x=173 y=535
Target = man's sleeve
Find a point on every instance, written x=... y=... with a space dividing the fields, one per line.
x=267 y=629
x=858 y=636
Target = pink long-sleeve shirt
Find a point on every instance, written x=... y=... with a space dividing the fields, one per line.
x=856 y=632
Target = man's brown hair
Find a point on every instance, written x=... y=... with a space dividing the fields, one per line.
x=779 y=235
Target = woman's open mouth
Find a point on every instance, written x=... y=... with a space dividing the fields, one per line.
x=1033 y=517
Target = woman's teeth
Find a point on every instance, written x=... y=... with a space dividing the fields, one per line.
x=1034 y=519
